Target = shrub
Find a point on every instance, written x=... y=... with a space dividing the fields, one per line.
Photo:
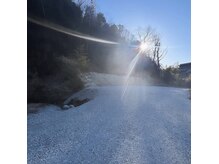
x=56 y=87
x=171 y=76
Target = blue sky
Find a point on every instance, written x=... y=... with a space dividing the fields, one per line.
x=170 y=18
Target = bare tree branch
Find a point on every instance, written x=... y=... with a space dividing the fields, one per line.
x=156 y=53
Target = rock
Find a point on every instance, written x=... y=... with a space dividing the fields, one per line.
x=77 y=102
x=82 y=96
x=65 y=107
x=72 y=106
x=68 y=106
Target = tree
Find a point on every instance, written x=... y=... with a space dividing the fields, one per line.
x=101 y=20
x=152 y=40
x=80 y=3
x=158 y=52
x=125 y=35
x=89 y=19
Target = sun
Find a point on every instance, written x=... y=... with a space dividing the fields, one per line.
x=143 y=46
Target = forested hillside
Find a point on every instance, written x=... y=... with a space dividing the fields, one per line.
x=55 y=60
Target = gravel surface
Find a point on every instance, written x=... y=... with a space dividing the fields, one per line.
x=149 y=125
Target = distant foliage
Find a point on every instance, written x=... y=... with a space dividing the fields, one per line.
x=171 y=76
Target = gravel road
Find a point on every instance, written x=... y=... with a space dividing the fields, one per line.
x=150 y=125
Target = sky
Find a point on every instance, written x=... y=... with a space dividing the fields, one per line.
x=170 y=18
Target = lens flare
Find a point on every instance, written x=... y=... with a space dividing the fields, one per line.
x=143 y=46
x=67 y=31
x=130 y=70
x=144 y=49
